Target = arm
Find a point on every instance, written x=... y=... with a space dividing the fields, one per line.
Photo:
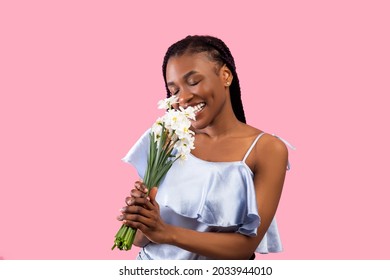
x=270 y=167
x=270 y=171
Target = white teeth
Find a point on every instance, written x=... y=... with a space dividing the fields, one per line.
x=199 y=107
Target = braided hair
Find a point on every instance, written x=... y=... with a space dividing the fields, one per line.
x=217 y=52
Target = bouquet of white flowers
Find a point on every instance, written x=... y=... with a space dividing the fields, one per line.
x=170 y=139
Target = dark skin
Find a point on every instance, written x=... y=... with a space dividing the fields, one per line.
x=219 y=137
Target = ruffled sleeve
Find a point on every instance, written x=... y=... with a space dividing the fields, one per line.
x=219 y=195
x=138 y=154
x=231 y=201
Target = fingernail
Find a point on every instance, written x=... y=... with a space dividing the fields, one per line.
x=130 y=201
x=120 y=218
x=148 y=198
x=123 y=209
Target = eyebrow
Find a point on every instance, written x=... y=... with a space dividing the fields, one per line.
x=192 y=72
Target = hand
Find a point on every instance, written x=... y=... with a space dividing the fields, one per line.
x=143 y=213
x=140 y=190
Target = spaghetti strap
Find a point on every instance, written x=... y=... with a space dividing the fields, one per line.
x=251 y=147
x=280 y=138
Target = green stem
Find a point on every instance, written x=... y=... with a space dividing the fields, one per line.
x=158 y=163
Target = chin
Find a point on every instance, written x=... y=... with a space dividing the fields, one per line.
x=199 y=124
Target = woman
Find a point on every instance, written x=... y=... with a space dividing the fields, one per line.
x=219 y=204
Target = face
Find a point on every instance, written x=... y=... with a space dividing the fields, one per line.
x=194 y=79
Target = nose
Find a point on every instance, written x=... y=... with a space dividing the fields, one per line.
x=185 y=96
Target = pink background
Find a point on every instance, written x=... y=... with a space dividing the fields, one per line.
x=80 y=81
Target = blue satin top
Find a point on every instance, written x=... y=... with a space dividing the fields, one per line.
x=204 y=196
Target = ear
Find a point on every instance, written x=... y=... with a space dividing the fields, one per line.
x=226 y=75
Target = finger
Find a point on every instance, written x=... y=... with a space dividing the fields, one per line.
x=129 y=200
x=124 y=209
x=140 y=201
x=144 y=202
x=137 y=193
x=152 y=195
x=139 y=221
x=148 y=218
x=141 y=187
x=133 y=209
x=135 y=215
x=136 y=218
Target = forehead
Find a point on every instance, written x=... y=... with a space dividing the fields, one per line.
x=178 y=66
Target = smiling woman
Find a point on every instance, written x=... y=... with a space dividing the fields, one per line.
x=221 y=202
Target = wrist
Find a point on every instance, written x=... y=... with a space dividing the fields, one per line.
x=171 y=235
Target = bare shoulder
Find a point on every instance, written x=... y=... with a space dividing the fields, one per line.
x=271 y=144
x=270 y=152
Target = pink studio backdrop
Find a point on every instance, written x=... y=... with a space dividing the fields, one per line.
x=80 y=81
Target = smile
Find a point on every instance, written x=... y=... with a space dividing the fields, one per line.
x=199 y=107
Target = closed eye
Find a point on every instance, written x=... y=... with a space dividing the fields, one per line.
x=193 y=83
x=173 y=91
